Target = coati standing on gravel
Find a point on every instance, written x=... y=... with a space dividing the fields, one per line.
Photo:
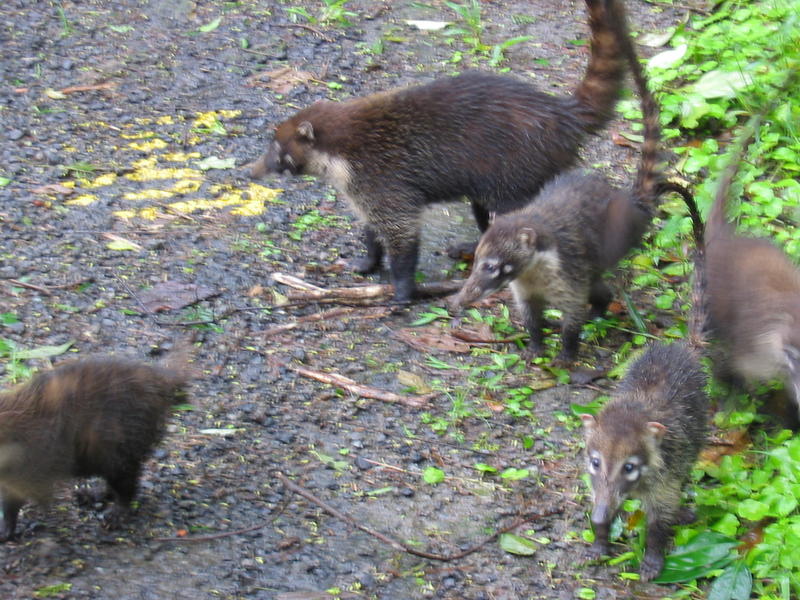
x=754 y=300
x=646 y=439
x=96 y=416
x=493 y=138
x=555 y=250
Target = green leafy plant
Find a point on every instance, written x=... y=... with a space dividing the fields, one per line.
x=332 y=12
x=313 y=220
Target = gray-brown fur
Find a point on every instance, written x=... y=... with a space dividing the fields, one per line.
x=582 y=226
x=644 y=443
x=97 y=416
x=646 y=439
x=493 y=138
x=754 y=300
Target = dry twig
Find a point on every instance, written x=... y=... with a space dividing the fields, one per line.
x=293 y=487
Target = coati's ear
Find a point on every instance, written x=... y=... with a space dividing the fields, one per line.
x=589 y=421
x=656 y=429
x=306 y=131
x=527 y=237
x=492 y=217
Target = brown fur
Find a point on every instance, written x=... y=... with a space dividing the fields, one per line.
x=493 y=138
x=582 y=226
x=644 y=443
x=96 y=416
x=754 y=299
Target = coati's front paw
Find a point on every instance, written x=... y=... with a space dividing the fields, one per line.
x=651 y=566
x=686 y=516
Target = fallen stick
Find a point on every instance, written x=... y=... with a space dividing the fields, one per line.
x=324 y=315
x=378 y=291
x=30 y=286
x=293 y=487
x=337 y=380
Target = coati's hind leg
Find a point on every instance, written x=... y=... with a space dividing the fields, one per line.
x=372 y=261
x=530 y=310
x=599 y=299
x=402 y=266
x=658 y=534
x=123 y=484
x=11 y=505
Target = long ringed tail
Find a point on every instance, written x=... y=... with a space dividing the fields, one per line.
x=599 y=90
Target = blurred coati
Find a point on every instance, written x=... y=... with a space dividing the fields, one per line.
x=493 y=138
x=754 y=299
x=646 y=439
x=555 y=250
x=94 y=416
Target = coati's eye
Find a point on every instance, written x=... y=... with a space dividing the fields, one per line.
x=595 y=462
x=490 y=267
x=629 y=467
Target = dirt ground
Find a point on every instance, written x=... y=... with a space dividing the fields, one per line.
x=109 y=111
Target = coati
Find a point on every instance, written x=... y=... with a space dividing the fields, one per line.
x=555 y=250
x=754 y=300
x=646 y=439
x=492 y=138
x=94 y=416
x=644 y=443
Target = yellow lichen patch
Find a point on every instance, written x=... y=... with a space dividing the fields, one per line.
x=184 y=186
x=138 y=136
x=148 y=195
x=180 y=156
x=102 y=180
x=145 y=163
x=209 y=119
x=165 y=120
x=69 y=148
x=148 y=146
x=151 y=173
x=125 y=214
x=82 y=200
x=68 y=184
x=144 y=120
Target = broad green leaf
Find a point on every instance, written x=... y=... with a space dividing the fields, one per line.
x=42 y=351
x=514 y=544
x=484 y=468
x=121 y=28
x=433 y=475
x=4 y=181
x=735 y=583
x=514 y=474
x=210 y=26
x=707 y=552
x=753 y=510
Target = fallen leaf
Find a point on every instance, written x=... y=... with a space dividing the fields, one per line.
x=424 y=25
x=255 y=291
x=281 y=81
x=732 y=441
x=171 y=295
x=426 y=339
x=120 y=243
x=208 y=27
x=53 y=188
x=625 y=139
x=414 y=381
x=53 y=94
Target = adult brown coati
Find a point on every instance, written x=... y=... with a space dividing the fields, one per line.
x=555 y=250
x=646 y=439
x=493 y=138
x=95 y=416
x=754 y=299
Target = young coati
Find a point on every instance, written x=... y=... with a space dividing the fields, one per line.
x=95 y=416
x=646 y=439
x=492 y=138
x=754 y=300
x=555 y=250
x=644 y=443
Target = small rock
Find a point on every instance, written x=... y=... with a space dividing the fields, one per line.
x=15 y=134
x=363 y=464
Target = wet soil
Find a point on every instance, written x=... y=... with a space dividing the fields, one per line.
x=108 y=109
